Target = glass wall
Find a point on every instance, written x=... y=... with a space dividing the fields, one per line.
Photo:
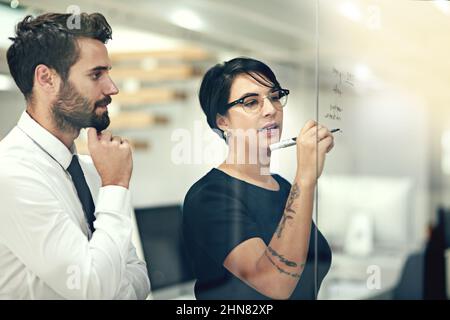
x=383 y=83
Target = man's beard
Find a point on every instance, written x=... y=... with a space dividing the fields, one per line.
x=73 y=111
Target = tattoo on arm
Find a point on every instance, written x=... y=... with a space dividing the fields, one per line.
x=283 y=259
x=294 y=275
x=288 y=212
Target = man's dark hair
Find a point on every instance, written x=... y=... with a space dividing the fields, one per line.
x=50 y=39
x=216 y=84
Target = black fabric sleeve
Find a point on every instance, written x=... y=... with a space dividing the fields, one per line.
x=217 y=220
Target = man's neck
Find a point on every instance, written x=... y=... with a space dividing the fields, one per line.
x=46 y=121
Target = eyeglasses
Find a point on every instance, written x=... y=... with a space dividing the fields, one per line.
x=254 y=103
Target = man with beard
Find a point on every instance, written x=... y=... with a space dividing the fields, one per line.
x=65 y=221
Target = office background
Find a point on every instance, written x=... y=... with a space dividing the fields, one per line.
x=383 y=78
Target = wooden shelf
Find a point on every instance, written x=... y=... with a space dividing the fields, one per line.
x=136 y=120
x=183 y=54
x=149 y=96
x=160 y=73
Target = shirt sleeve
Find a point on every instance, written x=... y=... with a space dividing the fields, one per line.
x=135 y=284
x=36 y=226
x=217 y=221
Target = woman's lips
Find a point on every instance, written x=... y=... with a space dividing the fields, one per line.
x=269 y=127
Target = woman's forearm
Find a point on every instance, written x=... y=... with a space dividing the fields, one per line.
x=284 y=258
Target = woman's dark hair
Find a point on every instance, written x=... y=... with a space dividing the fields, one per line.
x=50 y=39
x=216 y=84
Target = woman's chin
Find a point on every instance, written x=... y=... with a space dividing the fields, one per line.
x=268 y=139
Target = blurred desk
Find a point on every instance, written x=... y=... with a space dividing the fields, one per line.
x=184 y=291
x=348 y=275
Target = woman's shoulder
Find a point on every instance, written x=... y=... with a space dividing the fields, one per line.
x=282 y=181
x=211 y=182
x=215 y=193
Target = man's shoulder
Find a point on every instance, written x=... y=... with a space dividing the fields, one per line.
x=16 y=150
x=14 y=141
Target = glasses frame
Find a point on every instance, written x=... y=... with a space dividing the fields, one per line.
x=241 y=100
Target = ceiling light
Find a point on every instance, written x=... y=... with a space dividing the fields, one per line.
x=186 y=19
x=443 y=5
x=350 y=11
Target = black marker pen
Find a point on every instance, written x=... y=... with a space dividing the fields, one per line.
x=290 y=142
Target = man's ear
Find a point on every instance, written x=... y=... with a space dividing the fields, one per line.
x=222 y=122
x=46 y=79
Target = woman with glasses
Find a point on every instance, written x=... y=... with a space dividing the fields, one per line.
x=250 y=233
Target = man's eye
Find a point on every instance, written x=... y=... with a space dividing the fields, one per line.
x=96 y=76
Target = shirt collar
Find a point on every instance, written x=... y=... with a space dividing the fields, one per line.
x=47 y=141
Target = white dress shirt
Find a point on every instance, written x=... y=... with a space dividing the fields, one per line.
x=46 y=248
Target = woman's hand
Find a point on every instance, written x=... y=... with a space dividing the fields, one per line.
x=313 y=142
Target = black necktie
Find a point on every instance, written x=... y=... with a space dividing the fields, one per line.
x=84 y=194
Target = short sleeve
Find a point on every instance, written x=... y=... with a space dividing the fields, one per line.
x=283 y=182
x=216 y=220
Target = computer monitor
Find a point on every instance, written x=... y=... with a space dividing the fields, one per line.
x=386 y=201
x=162 y=243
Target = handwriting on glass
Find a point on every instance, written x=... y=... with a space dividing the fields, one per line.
x=343 y=80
